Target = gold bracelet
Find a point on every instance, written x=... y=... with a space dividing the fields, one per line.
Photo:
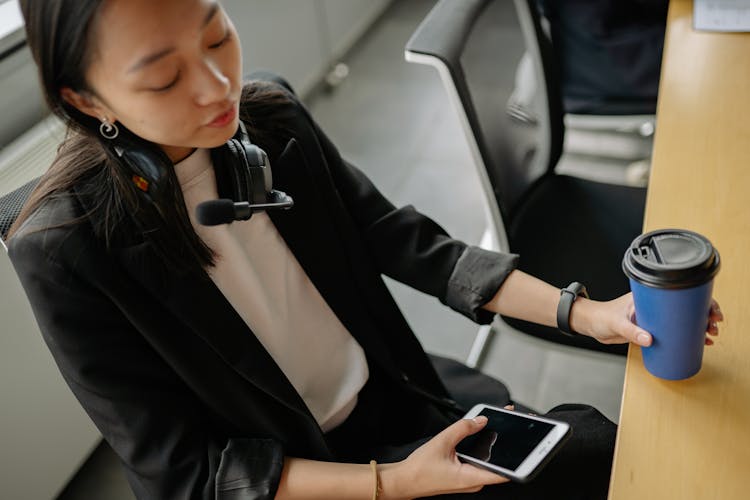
x=376 y=492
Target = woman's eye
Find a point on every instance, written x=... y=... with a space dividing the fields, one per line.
x=221 y=42
x=167 y=86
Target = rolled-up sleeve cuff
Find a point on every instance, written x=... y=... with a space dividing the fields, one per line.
x=250 y=469
x=475 y=279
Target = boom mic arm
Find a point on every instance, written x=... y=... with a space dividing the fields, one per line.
x=226 y=211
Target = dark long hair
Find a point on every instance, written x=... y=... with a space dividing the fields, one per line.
x=59 y=34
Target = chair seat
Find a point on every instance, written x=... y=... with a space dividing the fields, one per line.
x=570 y=229
x=468 y=386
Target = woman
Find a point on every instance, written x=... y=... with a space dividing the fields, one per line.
x=254 y=359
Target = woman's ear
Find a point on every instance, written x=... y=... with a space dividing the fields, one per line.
x=86 y=103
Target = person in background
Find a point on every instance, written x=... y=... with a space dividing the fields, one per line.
x=609 y=53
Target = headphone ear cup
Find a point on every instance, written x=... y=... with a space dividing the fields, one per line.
x=260 y=173
x=148 y=171
x=241 y=170
x=267 y=174
x=245 y=167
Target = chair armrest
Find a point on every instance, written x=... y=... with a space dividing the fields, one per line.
x=444 y=31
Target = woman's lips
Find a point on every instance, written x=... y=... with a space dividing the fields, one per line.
x=225 y=118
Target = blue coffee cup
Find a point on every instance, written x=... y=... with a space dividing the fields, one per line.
x=671 y=274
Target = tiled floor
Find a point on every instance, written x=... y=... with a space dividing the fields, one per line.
x=393 y=120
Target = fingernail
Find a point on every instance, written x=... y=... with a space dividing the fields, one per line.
x=643 y=339
x=481 y=419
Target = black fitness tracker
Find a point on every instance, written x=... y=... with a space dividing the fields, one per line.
x=568 y=295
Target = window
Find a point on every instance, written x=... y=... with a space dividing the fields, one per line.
x=12 y=36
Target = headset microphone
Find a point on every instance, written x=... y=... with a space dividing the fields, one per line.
x=243 y=177
x=225 y=211
x=244 y=168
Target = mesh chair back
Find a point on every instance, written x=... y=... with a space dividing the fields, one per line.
x=517 y=149
x=11 y=205
x=476 y=45
x=480 y=44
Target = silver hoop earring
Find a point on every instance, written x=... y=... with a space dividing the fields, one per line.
x=109 y=130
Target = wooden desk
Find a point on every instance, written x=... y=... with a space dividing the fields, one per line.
x=691 y=439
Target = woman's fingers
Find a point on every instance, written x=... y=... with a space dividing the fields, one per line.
x=714 y=316
x=630 y=331
x=633 y=333
x=713 y=328
x=715 y=312
x=434 y=468
x=471 y=474
x=475 y=476
x=456 y=432
x=619 y=324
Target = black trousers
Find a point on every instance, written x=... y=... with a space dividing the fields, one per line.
x=389 y=423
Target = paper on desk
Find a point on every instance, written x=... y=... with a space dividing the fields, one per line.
x=721 y=15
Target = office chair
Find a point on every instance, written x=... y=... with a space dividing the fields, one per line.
x=604 y=130
x=11 y=204
x=564 y=228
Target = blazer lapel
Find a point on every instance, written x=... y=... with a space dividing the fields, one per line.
x=202 y=308
x=310 y=232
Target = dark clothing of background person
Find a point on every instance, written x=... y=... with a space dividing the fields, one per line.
x=609 y=53
x=185 y=393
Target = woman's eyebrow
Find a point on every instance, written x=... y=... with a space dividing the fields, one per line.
x=158 y=55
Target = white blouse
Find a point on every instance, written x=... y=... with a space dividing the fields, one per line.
x=262 y=280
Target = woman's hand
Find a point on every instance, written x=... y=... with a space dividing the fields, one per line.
x=714 y=316
x=434 y=468
x=613 y=322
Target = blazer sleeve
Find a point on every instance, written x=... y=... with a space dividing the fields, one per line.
x=415 y=250
x=156 y=426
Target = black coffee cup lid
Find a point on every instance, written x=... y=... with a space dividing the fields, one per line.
x=671 y=258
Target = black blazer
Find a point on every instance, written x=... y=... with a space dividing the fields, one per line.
x=175 y=380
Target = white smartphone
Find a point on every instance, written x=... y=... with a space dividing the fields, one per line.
x=514 y=445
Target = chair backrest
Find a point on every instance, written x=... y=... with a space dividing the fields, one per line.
x=44 y=410
x=477 y=46
x=11 y=205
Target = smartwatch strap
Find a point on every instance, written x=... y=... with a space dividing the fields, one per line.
x=568 y=295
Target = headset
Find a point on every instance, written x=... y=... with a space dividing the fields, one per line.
x=239 y=164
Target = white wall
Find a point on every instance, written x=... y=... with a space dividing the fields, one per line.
x=21 y=101
x=299 y=39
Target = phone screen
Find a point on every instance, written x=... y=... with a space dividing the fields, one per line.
x=506 y=440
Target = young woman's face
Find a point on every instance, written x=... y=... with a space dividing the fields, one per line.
x=169 y=70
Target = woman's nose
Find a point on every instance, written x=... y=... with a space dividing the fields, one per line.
x=212 y=84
